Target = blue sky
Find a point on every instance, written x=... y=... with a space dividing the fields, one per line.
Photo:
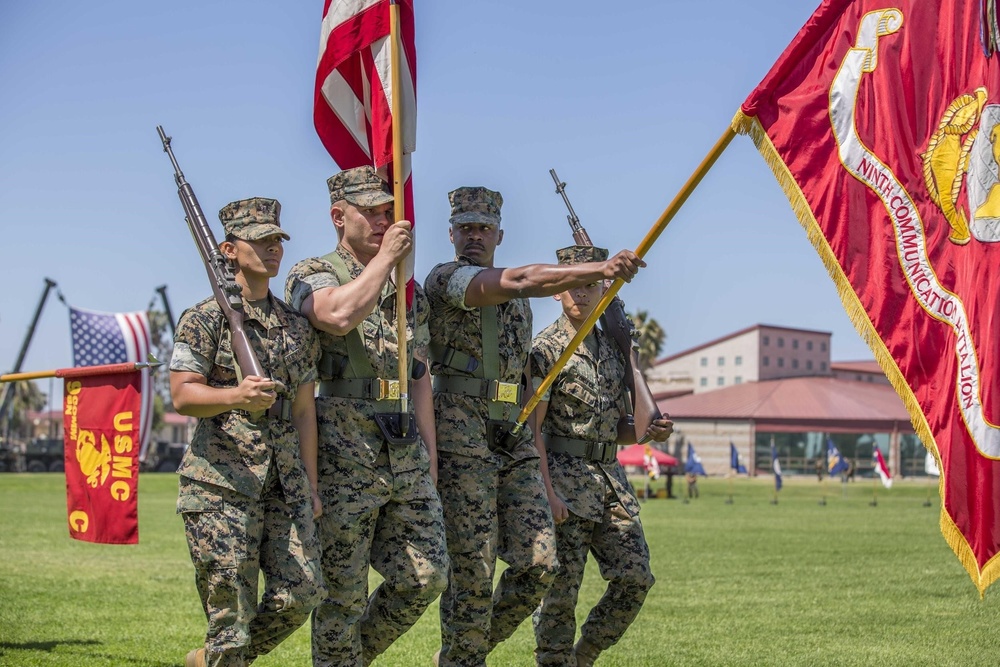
x=622 y=99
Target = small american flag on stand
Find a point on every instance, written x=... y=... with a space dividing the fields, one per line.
x=113 y=338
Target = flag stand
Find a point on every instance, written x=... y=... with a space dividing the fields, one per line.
x=822 y=492
x=874 y=502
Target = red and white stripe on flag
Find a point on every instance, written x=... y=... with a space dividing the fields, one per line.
x=352 y=108
x=881 y=469
x=882 y=124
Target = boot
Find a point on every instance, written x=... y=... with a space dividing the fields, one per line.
x=195 y=658
x=585 y=653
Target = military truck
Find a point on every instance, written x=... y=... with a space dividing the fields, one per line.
x=44 y=455
x=10 y=451
x=163 y=456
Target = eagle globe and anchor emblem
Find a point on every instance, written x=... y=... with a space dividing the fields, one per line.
x=965 y=150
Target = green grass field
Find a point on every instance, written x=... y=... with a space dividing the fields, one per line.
x=747 y=583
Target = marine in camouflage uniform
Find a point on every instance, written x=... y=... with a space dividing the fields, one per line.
x=387 y=513
x=493 y=494
x=245 y=492
x=577 y=426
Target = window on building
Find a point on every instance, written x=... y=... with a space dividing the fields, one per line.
x=822 y=366
x=738 y=379
x=781 y=362
x=722 y=361
x=767 y=340
x=704 y=382
x=738 y=360
x=822 y=347
x=720 y=381
x=809 y=345
x=766 y=361
x=704 y=361
x=809 y=364
x=795 y=343
x=781 y=342
x=795 y=363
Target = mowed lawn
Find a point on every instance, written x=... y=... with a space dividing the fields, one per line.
x=746 y=583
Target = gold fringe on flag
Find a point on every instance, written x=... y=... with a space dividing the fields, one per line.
x=751 y=127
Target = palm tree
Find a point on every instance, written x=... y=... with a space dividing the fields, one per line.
x=650 y=337
x=27 y=397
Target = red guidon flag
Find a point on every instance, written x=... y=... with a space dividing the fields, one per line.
x=101 y=424
x=881 y=122
x=352 y=108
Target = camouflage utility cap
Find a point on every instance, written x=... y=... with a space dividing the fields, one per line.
x=580 y=254
x=252 y=219
x=475 y=205
x=360 y=186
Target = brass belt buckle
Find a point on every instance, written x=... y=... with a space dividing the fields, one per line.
x=505 y=392
x=387 y=390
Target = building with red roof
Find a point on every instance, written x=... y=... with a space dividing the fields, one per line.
x=769 y=384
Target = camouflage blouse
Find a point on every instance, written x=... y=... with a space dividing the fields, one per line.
x=347 y=425
x=584 y=403
x=461 y=420
x=229 y=450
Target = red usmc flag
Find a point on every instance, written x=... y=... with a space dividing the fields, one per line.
x=881 y=121
x=101 y=423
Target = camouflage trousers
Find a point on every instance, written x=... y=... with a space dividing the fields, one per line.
x=492 y=512
x=392 y=522
x=619 y=547
x=232 y=539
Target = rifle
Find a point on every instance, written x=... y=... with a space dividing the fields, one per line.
x=220 y=274
x=617 y=325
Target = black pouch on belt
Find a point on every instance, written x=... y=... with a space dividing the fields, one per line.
x=499 y=437
x=390 y=423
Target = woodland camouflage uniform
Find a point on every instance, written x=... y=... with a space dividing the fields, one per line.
x=244 y=495
x=382 y=508
x=494 y=502
x=584 y=404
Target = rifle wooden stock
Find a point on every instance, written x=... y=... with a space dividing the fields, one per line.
x=224 y=286
x=617 y=325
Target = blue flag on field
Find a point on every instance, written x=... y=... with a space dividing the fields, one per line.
x=776 y=467
x=734 y=460
x=693 y=462
x=835 y=461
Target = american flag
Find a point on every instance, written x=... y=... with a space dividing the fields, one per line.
x=114 y=338
x=352 y=108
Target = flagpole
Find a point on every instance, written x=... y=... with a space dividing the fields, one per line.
x=399 y=197
x=822 y=480
x=80 y=371
x=651 y=236
x=875 y=481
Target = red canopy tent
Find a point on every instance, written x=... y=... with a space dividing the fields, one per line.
x=633 y=456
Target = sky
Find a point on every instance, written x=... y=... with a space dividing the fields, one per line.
x=622 y=99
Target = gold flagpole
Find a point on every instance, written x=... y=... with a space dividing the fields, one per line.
x=76 y=371
x=399 y=197
x=644 y=246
